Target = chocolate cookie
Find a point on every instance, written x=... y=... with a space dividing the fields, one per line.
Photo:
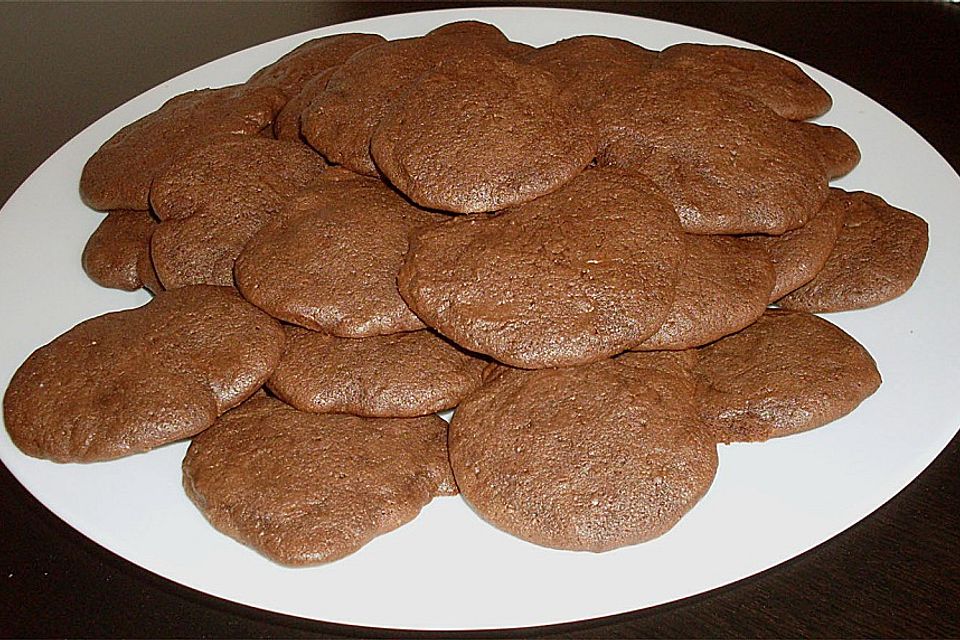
x=468 y=35
x=839 y=151
x=286 y=126
x=115 y=250
x=340 y=122
x=397 y=376
x=591 y=68
x=572 y=277
x=786 y=373
x=724 y=286
x=330 y=261
x=727 y=163
x=586 y=458
x=778 y=83
x=307 y=488
x=119 y=174
x=481 y=132
x=129 y=381
x=214 y=199
x=876 y=258
x=291 y=72
x=798 y=255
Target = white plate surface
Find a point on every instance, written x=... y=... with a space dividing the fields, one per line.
x=448 y=569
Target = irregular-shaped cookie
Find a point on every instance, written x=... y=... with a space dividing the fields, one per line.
x=778 y=83
x=119 y=174
x=292 y=71
x=876 y=258
x=800 y=254
x=572 y=277
x=340 y=122
x=129 y=381
x=481 y=132
x=839 y=151
x=724 y=286
x=786 y=373
x=306 y=488
x=727 y=163
x=214 y=199
x=584 y=458
x=114 y=252
x=403 y=375
x=330 y=261
x=593 y=67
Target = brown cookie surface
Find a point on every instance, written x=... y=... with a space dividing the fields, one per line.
x=724 y=286
x=876 y=258
x=572 y=277
x=839 y=151
x=147 y=273
x=292 y=71
x=114 y=252
x=214 y=199
x=340 y=122
x=481 y=132
x=728 y=164
x=330 y=261
x=584 y=458
x=129 y=381
x=119 y=174
x=409 y=374
x=786 y=373
x=306 y=488
x=778 y=83
x=594 y=67
x=800 y=254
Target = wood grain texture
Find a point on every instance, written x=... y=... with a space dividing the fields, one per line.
x=895 y=574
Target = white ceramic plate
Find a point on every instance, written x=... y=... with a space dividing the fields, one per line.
x=448 y=569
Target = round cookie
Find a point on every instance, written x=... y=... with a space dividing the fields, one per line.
x=286 y=126
x=481 y=132
x=876 y=258
x=306 y=488
x=786 y=373
x=292 y=71
x=465 y=35
x=778 y=83
x=839 y=151
x=586 y=458
x=724 y=286
x=397 y=376
x=572 y=277
x=800 y=254
x=119 y=174
x=129 y=381
x=214 y=199
x=340 y=122
x=727 y=163
x=330 y=261
x=593 y=67
x=114 y=252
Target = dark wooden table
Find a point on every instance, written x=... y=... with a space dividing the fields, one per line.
x=897 y=573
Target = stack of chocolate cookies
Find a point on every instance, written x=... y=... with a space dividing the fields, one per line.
x=605 y=259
